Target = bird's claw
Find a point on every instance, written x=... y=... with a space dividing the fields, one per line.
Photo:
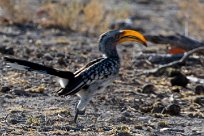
x=78 y=112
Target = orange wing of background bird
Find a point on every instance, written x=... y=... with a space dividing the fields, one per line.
x=175 y=51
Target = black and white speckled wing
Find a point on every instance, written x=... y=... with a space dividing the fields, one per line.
x=103 y=69
x=88 y=65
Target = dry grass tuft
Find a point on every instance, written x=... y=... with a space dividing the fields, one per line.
x=191 y=13
x=59 y=132
x=38 y=89
x=14 y=78
x=163 y=124
x=34 y=121
x=18 y=109
x=123 y=130
x=56 y=111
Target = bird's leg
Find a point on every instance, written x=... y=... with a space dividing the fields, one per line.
x=78 y=112
x=80 y=108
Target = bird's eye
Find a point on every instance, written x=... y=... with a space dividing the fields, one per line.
x=117 y=36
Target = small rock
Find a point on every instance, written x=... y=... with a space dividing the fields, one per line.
x=9 y=96
x=149 y=129
x=199 y=100
x=20 y=92
x=161 y=95
x=146 y=109
x=61 y=61
x=157 y=108
x=123 y=134
x=39 y=54
x=173 y=73
x=2 y=101
x=5 y=89
x=164 y=129
x=27 y=51
x=107 y=128
x=199 y=89
x=158 y=115
x=167 y=100
x=162 y=124
x=124 y=119
x=38 y=42
x=148 y=89
x=178 y=79
x=127 y=114
x=196 y=115
x=176 y=90
x=138 y=127
x=13 y=121
x=144 y=118
x=6 y=50
x=172 y=129
x=9 y=51
x=172 y=109
x=48 y=56
x=39 y=89
x=62 y=55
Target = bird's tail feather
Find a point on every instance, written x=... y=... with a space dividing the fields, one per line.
x=30 y=66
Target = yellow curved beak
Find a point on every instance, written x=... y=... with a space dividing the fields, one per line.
x=132 y=36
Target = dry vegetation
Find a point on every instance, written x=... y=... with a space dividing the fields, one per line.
x=75 y=15
x=83 y=17
x=192 y=17
x=15 y=12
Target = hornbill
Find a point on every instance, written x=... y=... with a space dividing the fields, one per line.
x=94 y=76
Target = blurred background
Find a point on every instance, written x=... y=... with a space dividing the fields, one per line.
x=96 y=17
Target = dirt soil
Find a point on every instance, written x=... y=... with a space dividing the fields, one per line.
x=131 y=105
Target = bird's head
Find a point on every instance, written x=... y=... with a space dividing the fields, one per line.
x=109 y=40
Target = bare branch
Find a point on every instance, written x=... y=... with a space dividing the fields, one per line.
x=175 y=63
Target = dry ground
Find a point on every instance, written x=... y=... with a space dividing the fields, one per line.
x=29 y=105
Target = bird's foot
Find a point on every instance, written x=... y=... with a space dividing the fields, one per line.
x=78 y=112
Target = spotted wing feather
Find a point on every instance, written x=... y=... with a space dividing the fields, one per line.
x=99 y=70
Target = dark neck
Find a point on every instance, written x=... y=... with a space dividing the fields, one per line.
x=111 y=54
x=111 y=51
